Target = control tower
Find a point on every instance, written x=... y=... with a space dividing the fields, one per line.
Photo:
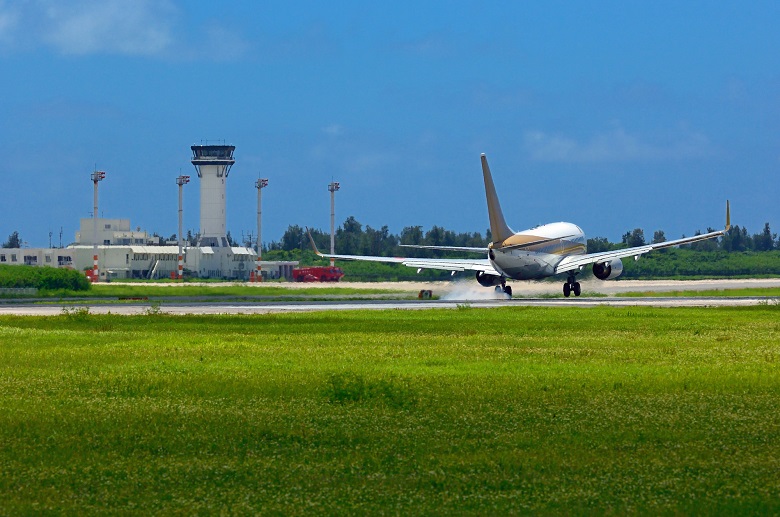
x=213 y=162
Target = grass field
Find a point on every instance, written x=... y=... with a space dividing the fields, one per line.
x=516 y=410
x=769 y=292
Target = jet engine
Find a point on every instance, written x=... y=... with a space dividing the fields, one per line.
x=486 y=280
x=608 y=270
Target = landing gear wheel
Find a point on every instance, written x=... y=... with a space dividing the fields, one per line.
x=575 y=287
x=508 y=290
x=567 y=289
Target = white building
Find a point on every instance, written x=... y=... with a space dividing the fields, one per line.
x=54 y=257
x=124 y=253
x=111 y=232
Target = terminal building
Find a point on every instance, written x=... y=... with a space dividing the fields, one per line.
x=124 y=253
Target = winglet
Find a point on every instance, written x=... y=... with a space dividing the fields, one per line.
x=311 y=240
x=728 y=216
x=498 y=226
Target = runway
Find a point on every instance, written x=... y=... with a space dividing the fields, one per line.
x=203 y=308
x=452 y=295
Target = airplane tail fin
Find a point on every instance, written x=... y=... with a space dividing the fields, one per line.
x=498 y=226
x=728 y=216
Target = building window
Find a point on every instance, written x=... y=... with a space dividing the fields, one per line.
x=107 y=227
x=2 y=258
x=48 y=258
x=13 y=257
x=106 y=242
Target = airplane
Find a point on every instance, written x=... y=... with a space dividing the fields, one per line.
x=534 y=254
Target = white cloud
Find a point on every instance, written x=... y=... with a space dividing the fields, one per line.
x=82 y=27
x=114 y=27
x=9 y=21
x=140 y=27
x=612 y=146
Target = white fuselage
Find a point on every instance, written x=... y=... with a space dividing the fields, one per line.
x=538 y=260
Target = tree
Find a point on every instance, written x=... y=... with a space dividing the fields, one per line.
x=659 y=237
x=634 y=238
x=230 y=240
x=705 y=245
x=191 y=239
x=349 y=237
x=598 y=244
x=292 y=238
x=737 y=239
x=14 y=241
x=435 y=236
x=764 y=241
x=378 y=242
x=412 y=235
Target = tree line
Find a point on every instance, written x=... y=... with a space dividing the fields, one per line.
x=352 y=238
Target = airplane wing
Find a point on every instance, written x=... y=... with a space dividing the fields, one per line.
x=573 y=262
x=420 y=263
x=446 y=248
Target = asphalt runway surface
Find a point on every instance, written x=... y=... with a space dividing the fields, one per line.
x=452 y=295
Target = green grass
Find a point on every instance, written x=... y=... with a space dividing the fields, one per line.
x=769 y=292
x=516 y=410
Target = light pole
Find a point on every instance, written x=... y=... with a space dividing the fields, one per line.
x=181 y=181
x=333 y=186
x=260 y=184
x=96 y=176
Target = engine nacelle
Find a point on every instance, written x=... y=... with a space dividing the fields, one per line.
x=486 y=280
x=608 y=270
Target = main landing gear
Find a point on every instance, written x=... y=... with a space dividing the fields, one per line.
x=506 y=289
x=571 y=286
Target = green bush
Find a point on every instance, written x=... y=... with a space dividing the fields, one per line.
x=43 y=278
x=676 y=263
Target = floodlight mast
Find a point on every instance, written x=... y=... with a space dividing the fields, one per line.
x=96 y=177
x=333 y=187
x=260 y=184
x=181 y=181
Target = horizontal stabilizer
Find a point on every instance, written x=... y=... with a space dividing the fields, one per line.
x=468 y=249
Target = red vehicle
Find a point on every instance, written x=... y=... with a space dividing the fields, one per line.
x=317 y=274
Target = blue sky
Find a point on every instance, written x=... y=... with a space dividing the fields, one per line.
x=611 y=115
